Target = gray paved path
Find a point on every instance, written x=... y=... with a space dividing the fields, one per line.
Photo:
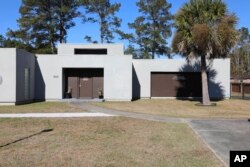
x=92 y=108
x=224 y=135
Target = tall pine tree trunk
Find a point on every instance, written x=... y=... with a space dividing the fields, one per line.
x=205 y=93
x=51 y=28
x=52 y=40
x=62 y=32
x=153 y=54
x=61 y=29
x=102 y=28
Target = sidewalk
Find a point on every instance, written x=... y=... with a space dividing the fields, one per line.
x=55 y=115
x=92 y=108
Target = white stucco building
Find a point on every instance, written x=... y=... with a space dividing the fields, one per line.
x=103 y=71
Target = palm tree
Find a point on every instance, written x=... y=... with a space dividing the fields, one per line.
x=204 y=29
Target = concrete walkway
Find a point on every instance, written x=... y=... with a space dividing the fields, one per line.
x=54 y=115
x=91 y=108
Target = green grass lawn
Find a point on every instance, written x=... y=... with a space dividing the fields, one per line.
x=115 y=141
x=40 y=107
x=232 y=108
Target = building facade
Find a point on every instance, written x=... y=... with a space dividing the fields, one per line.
x=103 y=71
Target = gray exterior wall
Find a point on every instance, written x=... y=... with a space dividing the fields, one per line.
x=48 y=77
x=117 y=74
x=24 y=60
x=12 y=64
x=124 y=77
x=113 y=49
x=219 y=84
x=8 y=75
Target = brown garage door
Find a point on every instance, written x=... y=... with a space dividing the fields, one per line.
x=236 y=87
x=178 y=84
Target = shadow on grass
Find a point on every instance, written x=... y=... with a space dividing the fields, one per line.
x=27 y=137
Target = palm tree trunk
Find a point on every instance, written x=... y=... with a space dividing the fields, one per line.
x=205 y=93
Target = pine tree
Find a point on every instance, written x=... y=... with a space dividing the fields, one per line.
x=13 y=43
x=240 y=55
x=44 y=23
x=152 y=28
x=2 y=39
x=37 y=25
x=104 y=13
x=66 y=11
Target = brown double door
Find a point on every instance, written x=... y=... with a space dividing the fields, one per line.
x=84 y=83
x=86 y=87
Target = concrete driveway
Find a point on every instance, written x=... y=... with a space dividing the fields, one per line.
x=223 y=135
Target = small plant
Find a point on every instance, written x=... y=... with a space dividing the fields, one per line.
x=100 y=93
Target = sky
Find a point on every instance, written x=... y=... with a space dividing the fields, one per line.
x=9 y=13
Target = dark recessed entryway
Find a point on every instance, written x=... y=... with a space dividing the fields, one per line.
x=83 y=83
x=176 y=84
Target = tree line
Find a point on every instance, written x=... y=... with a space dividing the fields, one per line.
x=45 y=23
x=240 y=55
x=204 y=29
